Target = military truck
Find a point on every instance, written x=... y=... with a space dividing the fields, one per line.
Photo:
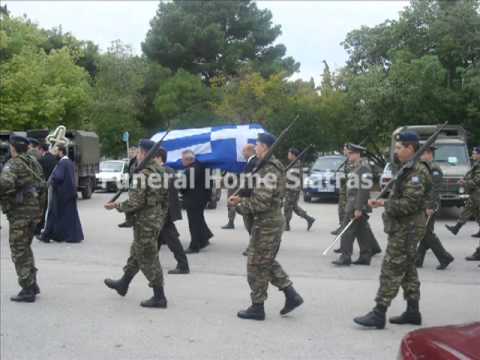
x=84 y=151
x=452 y=156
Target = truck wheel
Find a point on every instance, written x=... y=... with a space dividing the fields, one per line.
x=88 y=190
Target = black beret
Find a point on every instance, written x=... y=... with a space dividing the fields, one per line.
x=407 y=136
x=355 y=148
x=266 y=138
x=294 y=151
x=18 y=140
x=146 y=144
x=33 y=141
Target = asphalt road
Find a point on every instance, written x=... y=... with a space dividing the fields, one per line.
x=77 y=317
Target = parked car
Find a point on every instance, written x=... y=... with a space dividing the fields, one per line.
x=452 y=342
x=323 y=179
x=386 y=176
x=112 y=174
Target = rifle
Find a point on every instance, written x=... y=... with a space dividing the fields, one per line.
x=269 y=153
x=150 y=155
x=298 y=158
x=411 y=163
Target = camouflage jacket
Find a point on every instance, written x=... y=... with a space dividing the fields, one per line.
x=267 y=196
x=472 y=179
x=148 y=200
x=358 y=187
x=294 y=177
x=433 y=198
x=21 y=192
x=406 y=202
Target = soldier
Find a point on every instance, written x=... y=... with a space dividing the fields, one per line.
x=148 y=203
x=431 y=240
x=21 y=190
x=265 y=205
x=471 y=182
x=34 y=148
x=359 y=183
x=404 y=222
x=292 y=195
x=342 y=196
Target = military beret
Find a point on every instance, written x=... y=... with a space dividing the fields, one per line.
x=477 y=149
x=407 y=136
x=146 y=144
x=33 y=141
x=355 y=148
x=294 y=151
x=266 y=138
x=18 y=140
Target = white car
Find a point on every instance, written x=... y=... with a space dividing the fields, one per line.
x=386 y=176
x=112 y=175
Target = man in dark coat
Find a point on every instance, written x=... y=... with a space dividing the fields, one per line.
x=48 y=162
x=195 y=198
x=169 y=235
x=63 y=222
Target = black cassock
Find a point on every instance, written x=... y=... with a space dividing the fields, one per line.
x=63 y=222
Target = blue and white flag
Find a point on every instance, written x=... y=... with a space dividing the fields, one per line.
x=218 y=147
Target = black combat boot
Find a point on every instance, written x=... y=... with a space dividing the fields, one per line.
x=287 y=226
x=158 y=300
x=25 y=295
x=477 y=235
x=254 y=312
x=362 y=260
x=343 y=260
x=445 y=262
x=121 y=285
x=310 y=221
x=375 y=318
x=475 y=256
x=337 y=231
x=230 y=225
x=179 y=270
x=410 y=316
x=292 y=300
x=454 y=229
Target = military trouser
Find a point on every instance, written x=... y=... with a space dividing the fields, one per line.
x=144 y=255
x=342 y=204
x=231 y=209
x=170 y=237
x=20 y=239
x=431 y=241
x=398 y=267
x=471 y=209
x=361 y=230
x=262 y=268
x=291 y=206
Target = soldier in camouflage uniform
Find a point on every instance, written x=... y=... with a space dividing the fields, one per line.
x=292 y=195
x=264 y=205
x=148 y=203
x=342 y=195
x=404 y=221
x=471 y=182
x=431 y=240
x=359 y=184
x=21 y=191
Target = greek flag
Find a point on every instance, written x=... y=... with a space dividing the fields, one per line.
x=218 y=147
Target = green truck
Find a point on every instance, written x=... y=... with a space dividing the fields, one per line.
x=84 y=150
x=452 y=156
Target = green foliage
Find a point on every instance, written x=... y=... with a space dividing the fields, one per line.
x=214 y=38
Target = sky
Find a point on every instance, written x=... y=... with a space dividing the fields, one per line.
x=311 y=30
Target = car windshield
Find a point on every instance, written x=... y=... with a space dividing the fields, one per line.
x=327 y=163
x=111 y=166
x=451 y=154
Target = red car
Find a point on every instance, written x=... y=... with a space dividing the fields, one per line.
x=454 y=342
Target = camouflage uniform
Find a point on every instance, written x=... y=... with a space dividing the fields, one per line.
x=264 y=205
x=357 y=195
x=20 y=194
x=342 y=195
x=431 y=240
x=472 y=187
x=404 y=221
x=148 y=208
x=292 y=194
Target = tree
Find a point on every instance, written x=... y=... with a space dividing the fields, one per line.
x=214 y=38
